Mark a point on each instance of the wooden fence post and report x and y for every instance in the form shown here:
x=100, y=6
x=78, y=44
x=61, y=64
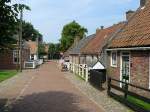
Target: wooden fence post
x=126, y=90
x=109, y=86
x=73, y=68
x=83, y=69
x=79, y=71
x=70, y=67
x=86, y=74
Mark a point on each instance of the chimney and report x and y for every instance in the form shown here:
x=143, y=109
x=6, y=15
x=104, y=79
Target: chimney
x=129, y=14
x=102, y=27
x=97, y=30
x=143, y=3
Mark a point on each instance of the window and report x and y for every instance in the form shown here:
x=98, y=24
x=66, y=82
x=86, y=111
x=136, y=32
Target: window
x=114, y=59
x=15, y=57
x=32, y=56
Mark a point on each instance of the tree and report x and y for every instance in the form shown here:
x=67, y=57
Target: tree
x=51, y=49
x=29, y=32
x=54, y=51
x=9, y=21
x=41, y=49
x=69, y=33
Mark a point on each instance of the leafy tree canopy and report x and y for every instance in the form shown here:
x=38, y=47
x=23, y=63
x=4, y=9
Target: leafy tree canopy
x=69, y=33
x=30, y=33
x=41, y=49
x=54, y=48
x=9, y=20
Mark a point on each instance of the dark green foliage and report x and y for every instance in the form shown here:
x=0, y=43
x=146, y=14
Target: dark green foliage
x=9, y=22
x=29, y=32
x=54, y=51
x=51, y=48
x=70, y=32
x=54, y=48
x=41, y=49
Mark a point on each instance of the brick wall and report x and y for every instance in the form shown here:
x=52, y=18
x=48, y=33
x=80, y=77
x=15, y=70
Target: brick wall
x=113, y=72
x=6, y=59
x=139, y=70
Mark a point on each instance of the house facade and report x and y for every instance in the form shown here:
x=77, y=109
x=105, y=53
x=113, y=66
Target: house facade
x=93, y=51
x=9, y=57
x=33, y=45
x=75, y=53
x=67, y=55
x=129, y=51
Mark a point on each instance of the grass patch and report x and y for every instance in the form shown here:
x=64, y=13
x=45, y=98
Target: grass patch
x=139, y=103
x=79, y=77
x=6, y=74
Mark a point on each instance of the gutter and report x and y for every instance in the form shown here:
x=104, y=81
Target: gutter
x=132, y=48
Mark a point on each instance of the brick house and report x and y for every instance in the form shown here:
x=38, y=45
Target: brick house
x=129, y=51
x=33, y=45
x=75, y=53
x=9, y=57
x=66, y=54
x=93, y=51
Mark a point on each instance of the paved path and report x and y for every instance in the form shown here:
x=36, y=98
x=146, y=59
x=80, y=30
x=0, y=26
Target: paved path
x=43, y=90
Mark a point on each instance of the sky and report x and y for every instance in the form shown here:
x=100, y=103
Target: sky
x=49, y=16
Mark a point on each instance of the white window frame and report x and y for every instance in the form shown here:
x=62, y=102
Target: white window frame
x=121, y=54
x=15, y=52
x=113, y=65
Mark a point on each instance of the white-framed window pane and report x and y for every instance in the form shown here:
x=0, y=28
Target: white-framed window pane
x=15, y=56
x=114, y=59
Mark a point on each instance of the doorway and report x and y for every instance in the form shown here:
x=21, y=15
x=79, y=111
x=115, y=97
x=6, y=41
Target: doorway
x=125, y=67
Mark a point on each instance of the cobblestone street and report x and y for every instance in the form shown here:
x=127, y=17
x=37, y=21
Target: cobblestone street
x=45, y=89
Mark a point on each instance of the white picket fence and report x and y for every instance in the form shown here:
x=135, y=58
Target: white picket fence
x=80, y=69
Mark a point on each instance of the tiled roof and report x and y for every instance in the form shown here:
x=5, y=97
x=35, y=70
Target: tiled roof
x=136, y=33
x=76, y=41
x=81, y=44
x=67, y=53
x=102, y=36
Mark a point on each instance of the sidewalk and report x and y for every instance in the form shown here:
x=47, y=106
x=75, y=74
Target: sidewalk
x=99, y=97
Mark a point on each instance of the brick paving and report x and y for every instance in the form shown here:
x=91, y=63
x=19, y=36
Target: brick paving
x=99, y=97
x=43, y=90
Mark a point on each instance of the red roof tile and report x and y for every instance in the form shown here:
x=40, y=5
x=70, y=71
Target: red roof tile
x=96, y=44
x=136, y=32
